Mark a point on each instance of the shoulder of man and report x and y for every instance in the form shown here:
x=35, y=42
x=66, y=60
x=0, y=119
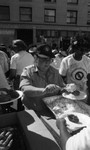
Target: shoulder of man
x=67, y=58
x=15, y=56
x=29, y=70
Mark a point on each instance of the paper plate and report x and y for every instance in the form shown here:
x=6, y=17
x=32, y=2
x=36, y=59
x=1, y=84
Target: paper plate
x=84, y=121
x=82, y=96
x=13, y=99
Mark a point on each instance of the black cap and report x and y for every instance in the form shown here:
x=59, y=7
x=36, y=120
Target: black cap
x=19, y=44
x=45, y=51
x=32, y=49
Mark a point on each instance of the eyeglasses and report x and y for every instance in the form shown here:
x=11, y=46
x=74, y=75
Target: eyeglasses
x=47, y=60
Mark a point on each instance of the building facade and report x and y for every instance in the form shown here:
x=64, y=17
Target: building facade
x=29, y=20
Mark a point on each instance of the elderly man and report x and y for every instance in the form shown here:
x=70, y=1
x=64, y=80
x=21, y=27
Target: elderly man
x=40, y=79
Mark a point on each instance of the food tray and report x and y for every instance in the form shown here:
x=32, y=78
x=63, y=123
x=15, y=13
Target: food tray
x=62, y=107
x=59, y=105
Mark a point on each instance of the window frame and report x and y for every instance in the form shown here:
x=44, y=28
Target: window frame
x=88, y=20
x=51, y=1
x=20, y=14
x=72, y=17
x=25, y=0
x=72, y=2
x=8, y=12
x=50, y=16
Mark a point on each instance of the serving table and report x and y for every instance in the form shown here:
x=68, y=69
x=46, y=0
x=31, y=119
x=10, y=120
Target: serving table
x=38, y=128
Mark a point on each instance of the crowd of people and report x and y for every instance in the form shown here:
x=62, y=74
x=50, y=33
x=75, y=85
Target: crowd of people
x=33, y=71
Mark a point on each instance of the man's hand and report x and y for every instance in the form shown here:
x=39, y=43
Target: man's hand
x=5, y=140
x=64, y=134
x=52, y=88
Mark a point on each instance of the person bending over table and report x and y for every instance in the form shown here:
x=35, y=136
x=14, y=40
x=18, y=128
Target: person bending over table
x=78, y=141
x=40, y=79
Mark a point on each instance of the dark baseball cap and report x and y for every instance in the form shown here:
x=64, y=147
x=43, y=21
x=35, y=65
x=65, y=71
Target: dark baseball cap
x=45, y=51
x=20, y=44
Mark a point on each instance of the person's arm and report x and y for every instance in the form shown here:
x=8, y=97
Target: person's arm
x=32, y=91
x=64, y=134
x=80, y=139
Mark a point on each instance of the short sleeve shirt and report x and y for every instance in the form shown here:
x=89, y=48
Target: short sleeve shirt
x=32, y=76
x=21, y=60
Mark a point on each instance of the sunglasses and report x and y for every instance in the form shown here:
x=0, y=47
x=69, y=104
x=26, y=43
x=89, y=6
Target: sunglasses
x=50, y=60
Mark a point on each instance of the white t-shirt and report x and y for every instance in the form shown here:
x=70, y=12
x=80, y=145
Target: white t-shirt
x=80, y=141
x=75, y=71
x=21, y=60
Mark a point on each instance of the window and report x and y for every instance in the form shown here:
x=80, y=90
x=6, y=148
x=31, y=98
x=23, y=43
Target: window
x=88, y=18
x=4, y=13
x=50, y=15
x=47, y=34
x=25, y=0
x=89, y=4
x=71, y=17
x=50, y=1
x=25, y=14
x=72, y=1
